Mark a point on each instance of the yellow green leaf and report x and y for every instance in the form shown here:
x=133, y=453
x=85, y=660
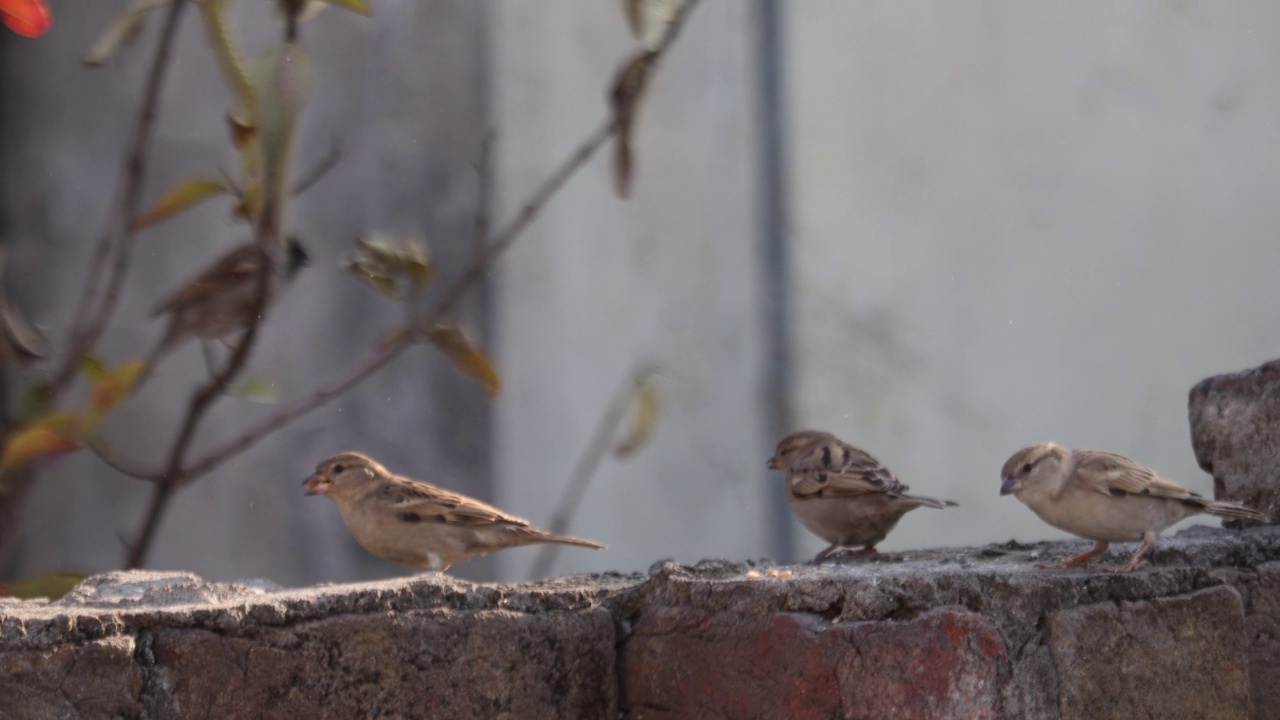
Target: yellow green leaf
x=646, y=408
x=92, y=368
x=50, y=435
x=465, y=356
x=120, y=31
x=283, y=83
x=259, y=391
x=115, y=386
x=50, y=586
x=179, y=198
x=650, y=20
x=356, y=6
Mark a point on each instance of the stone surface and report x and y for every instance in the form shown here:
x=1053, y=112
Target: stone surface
x=97, y=679
x=1260, y=590
x=964, y=633
x=691, y=663
x=1172, y=658
x=1235, y=430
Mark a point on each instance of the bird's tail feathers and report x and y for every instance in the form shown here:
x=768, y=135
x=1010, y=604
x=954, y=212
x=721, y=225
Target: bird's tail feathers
x=1235, y=511
x=932, y=502
x=568, y=540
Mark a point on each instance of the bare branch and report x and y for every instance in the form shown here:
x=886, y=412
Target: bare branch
x=480, y=263
x=322, y=168
x=92, y=311
x=615, y=412
x=484, y=177
x=176, y=475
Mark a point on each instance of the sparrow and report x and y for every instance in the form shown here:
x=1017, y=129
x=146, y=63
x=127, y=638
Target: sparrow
x=842, y=494
x=219, y=301
x=1104, y=497
x=414, y=523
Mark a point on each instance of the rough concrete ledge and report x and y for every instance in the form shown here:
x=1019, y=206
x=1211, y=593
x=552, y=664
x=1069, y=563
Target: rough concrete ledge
x=972, y=633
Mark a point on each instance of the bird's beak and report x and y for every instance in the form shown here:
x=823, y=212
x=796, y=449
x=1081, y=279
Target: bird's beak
x=774, y=463
x=1006, y=486
x=317, y=484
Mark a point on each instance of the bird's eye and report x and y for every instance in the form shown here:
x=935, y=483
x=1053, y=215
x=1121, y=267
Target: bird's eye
x=338, y=468
x=1026, y=468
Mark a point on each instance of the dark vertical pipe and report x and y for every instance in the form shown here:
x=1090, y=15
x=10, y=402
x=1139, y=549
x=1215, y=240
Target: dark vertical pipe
x=773, y=223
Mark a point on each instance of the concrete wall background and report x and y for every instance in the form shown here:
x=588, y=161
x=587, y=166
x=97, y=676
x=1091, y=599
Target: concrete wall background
x=1016, y=222
x=1009, y=222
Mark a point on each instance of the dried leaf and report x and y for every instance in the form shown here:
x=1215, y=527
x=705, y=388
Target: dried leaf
x=242, y=130
x=259, y=391
x=628, y=88
x=50, y=586
x=356, y=6
x=650, y=20
x=417, y=265
x=115, y=386
x=373, y=275
x=646, y=409
x=120, y=31
x=182, y=196
x=50, y=435
x=464, y=354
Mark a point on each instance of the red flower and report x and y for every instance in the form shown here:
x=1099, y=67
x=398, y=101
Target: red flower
x=26, y=17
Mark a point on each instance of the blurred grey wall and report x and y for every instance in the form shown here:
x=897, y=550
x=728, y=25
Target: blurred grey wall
x=1006, y=222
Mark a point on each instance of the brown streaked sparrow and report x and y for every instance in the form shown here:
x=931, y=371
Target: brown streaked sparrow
x=411, y=522
x=219, y=300
x=842, y=494
x=1104, y=497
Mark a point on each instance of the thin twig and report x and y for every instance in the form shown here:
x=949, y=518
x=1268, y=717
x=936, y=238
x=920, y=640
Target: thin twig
x=174, y=476
x=88, y=322
x=322, y=168
x=484, y=178
x=615, y=412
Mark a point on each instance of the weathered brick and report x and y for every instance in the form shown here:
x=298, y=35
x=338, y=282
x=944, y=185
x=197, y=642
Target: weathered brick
x=683, y=662
x=97, y=679
x=488, y=664
x=1170, y=658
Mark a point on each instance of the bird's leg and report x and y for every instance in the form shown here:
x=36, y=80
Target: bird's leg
x=826, y=553
x=1148, y=542
x=1075, y=561
x=838, y=550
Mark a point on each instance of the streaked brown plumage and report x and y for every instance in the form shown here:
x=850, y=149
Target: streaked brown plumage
x=841, y=493
x=411, y=522
x=1104, y=497
x=219, y=301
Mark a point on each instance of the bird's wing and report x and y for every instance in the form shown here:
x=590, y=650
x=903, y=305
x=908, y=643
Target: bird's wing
x=429, y=503
x=837, y=469
x=237, y=266
x=1116, y=475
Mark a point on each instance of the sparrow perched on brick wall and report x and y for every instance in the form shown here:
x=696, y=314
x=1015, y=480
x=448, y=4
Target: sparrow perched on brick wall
x=414, y=523
x=219, y=301
x=1104, y=497
x=842, y=494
